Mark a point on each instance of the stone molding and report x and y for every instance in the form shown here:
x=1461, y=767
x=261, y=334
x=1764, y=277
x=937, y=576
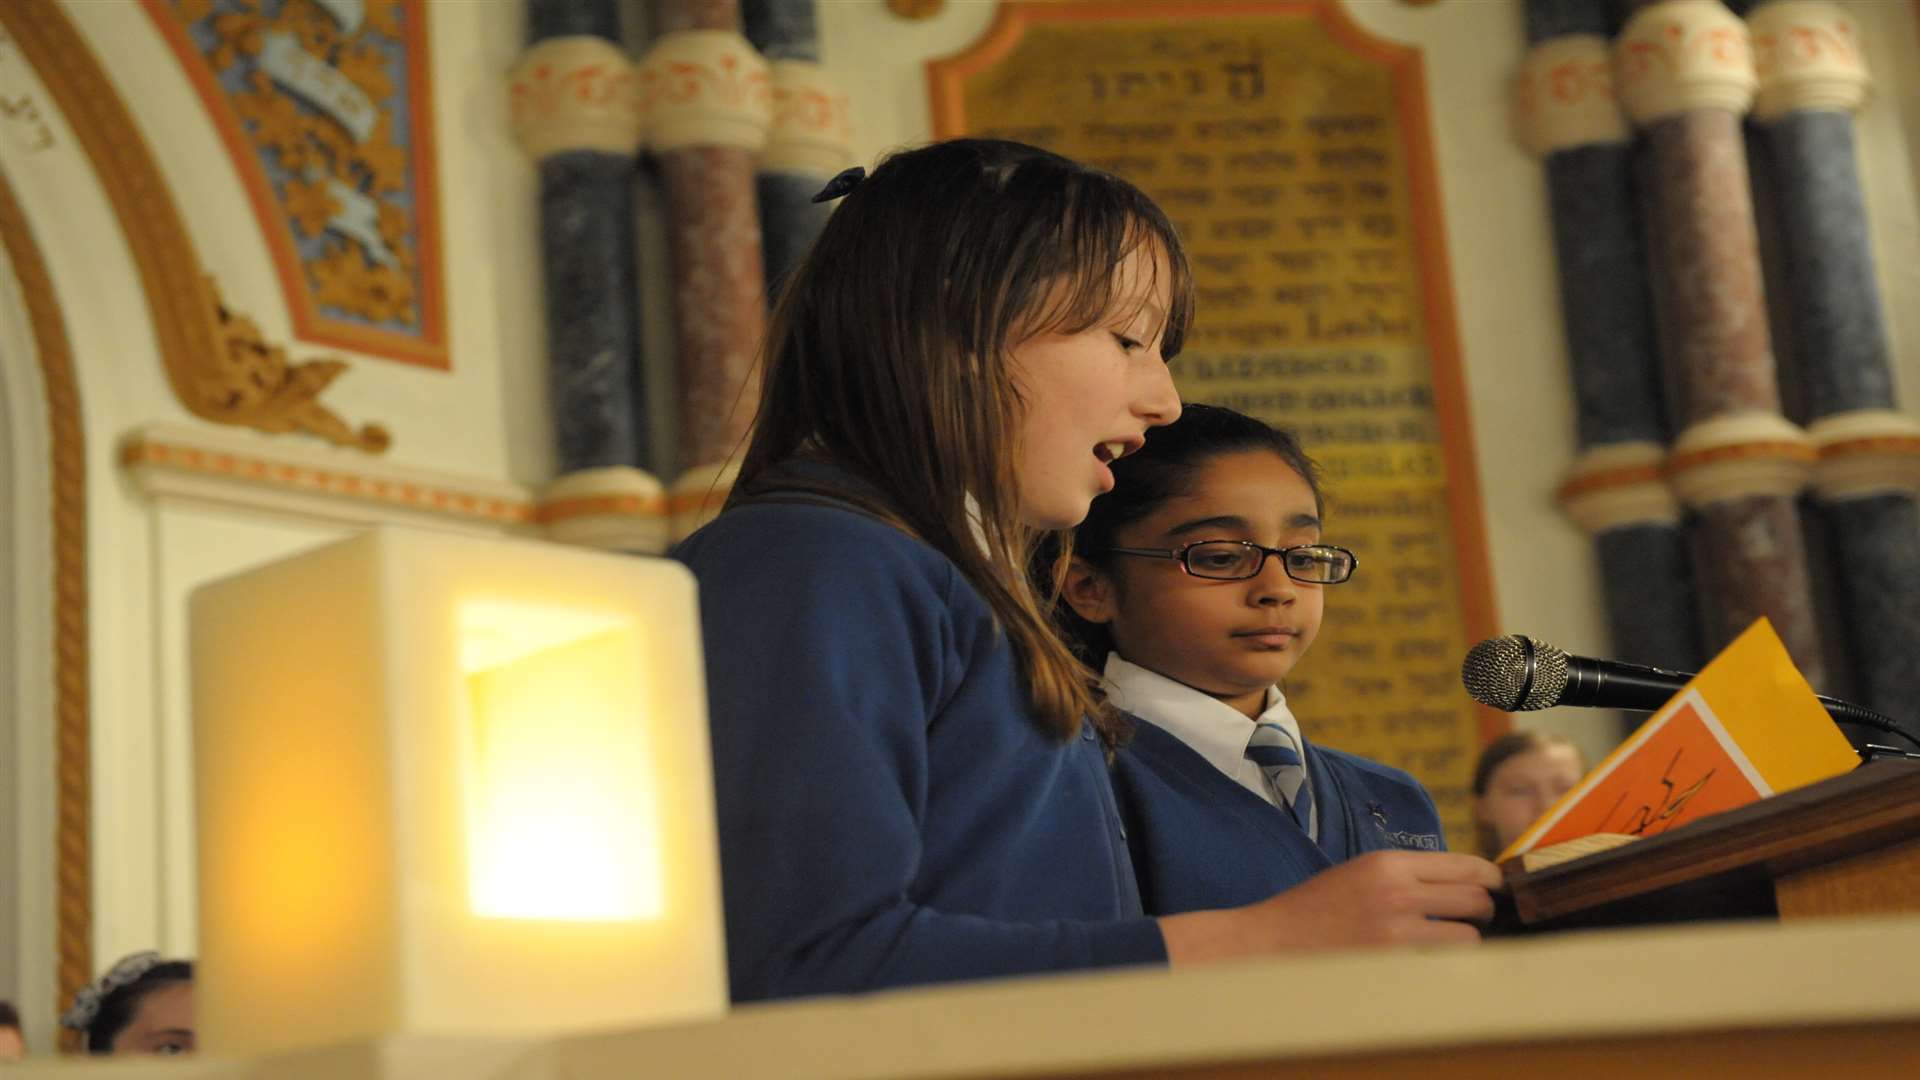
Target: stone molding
x=1740, y=456
x=812, y=121
x=1864, y=453
x=706, y=88
x=576, y=93
x=1808, y=55
x=1618, y=485
x=1565, y=96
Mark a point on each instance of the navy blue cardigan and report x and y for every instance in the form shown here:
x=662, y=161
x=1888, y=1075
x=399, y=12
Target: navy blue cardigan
x=1199, y=840
x=889, y=811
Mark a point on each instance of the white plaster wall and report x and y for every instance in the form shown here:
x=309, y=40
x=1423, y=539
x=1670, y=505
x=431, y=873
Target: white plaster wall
x=1887, y=130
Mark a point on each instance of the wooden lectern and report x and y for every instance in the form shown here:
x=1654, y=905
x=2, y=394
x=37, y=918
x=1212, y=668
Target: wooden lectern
x=1845, y=846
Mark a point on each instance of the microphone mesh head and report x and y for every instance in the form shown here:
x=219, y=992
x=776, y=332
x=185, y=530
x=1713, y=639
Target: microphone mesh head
x=1495, y=673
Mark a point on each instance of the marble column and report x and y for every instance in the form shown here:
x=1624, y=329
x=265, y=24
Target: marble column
x=1569, y=115
x=1812, y=76
x=709, y=106
x=576, y=108
x=812, y=135
x=1686, y=78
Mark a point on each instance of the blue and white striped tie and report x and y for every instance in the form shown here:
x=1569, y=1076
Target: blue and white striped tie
x=1278, y=755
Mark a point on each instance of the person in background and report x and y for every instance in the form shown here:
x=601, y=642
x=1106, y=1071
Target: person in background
x=1519, y=777
x=142, y=1005
x=13, y=1044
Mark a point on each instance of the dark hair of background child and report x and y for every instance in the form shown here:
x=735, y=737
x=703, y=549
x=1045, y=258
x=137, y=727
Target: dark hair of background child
x=117, y=1009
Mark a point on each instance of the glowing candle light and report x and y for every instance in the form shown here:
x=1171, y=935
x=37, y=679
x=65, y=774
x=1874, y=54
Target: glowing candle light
x=451, y=786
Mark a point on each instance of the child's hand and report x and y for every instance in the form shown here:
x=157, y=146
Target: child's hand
x=1385, y=898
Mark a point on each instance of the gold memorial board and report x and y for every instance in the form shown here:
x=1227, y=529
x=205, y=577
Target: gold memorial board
x=1291, y=150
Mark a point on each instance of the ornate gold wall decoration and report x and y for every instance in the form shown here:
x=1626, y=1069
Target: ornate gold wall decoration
x=73, y=842
x=194, y=345
x=256, y=386
x=326, y=109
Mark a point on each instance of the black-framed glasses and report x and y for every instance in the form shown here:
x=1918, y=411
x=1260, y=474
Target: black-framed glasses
x=1238, y=560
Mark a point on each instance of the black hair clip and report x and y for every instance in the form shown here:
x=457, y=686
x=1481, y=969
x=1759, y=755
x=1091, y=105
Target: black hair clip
x=841, y=184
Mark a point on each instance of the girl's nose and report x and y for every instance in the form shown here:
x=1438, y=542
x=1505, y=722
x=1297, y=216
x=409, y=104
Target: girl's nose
x=1158, y=401
x=1271, y=587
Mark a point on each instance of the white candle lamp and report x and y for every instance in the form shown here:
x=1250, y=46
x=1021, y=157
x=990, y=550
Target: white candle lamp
x=451, y=786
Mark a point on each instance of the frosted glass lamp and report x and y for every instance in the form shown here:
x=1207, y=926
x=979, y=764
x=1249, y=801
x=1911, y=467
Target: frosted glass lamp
x=451, y=786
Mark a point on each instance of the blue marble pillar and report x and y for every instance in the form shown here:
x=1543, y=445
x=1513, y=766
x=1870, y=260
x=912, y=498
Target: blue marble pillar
x=572, y=18
x=1834, y=335
x=593, y=334
x=1833, y=323
x=783, y=31
x=1607, y=310
x=587, y=228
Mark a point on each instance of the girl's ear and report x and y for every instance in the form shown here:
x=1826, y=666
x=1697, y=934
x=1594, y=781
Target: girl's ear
x=1090, y=591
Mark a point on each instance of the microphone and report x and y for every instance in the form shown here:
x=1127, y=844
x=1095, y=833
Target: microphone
x=1517, y=673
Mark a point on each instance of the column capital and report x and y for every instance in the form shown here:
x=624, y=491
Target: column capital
x=706, y=88
x=1618, y=485
x=812, y=121
x=576, y=93
x=1683, y=55
x=1740, y=456
x=1565, y=96
x=1808, y=55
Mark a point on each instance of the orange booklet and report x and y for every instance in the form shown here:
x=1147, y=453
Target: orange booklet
x=1746, y=727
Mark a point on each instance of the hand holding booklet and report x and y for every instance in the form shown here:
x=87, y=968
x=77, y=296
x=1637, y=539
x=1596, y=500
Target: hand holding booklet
x=1748, y=726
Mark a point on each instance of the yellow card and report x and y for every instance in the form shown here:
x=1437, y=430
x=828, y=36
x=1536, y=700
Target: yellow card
x=1748, y=726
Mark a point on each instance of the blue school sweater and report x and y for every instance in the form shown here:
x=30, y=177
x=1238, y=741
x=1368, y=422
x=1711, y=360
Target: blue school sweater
x=1199, y=840
x=889, y=811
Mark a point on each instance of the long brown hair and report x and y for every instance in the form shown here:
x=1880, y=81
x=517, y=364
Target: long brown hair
x=888, y=355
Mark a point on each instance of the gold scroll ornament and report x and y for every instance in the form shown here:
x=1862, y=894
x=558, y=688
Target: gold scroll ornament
x=252, y=383
x=1290, y=149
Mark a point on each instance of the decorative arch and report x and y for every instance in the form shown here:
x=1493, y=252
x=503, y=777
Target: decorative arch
x=73, y=848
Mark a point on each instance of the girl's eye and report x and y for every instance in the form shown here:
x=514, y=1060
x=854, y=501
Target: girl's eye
x=1126, y=343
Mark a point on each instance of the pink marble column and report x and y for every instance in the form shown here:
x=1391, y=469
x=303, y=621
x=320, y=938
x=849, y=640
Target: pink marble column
x=1686, y=77
x=710, y=106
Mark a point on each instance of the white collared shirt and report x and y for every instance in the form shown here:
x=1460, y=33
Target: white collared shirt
x=1210, y=727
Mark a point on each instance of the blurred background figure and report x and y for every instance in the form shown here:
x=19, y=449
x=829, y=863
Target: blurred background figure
x=1520, y=775
x=13, y=1045
x=142, y=1005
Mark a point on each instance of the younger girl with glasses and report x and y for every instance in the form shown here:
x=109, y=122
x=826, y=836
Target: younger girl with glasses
x=909, y=763
x=1197, y=584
